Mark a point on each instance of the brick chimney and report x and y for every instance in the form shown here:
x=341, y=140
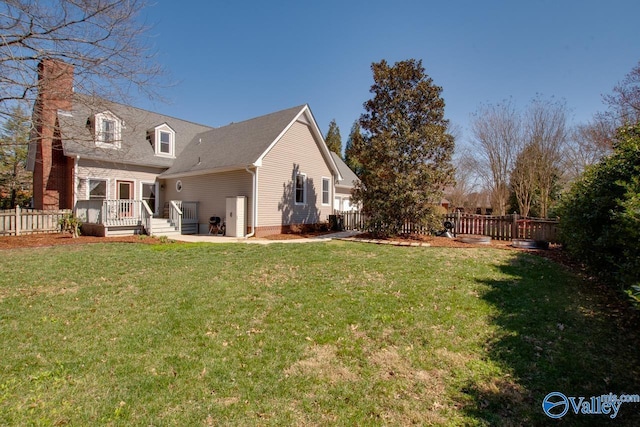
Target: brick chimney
x=53, y=172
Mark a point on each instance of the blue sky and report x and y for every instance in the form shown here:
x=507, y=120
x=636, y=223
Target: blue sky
x=237, y=60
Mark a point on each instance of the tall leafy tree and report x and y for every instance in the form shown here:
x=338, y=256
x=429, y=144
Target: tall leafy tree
x=15, y=181
x=405, y=150
x=333, y=138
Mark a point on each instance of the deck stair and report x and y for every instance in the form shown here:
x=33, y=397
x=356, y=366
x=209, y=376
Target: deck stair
x=162, y=227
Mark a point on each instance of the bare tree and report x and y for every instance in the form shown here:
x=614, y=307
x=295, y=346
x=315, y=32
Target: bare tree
x=523, y=178
x=497, y=138
x=546, y=133
x=624, y=103
x=102, y=40
x=466, y=181
x=587, y=144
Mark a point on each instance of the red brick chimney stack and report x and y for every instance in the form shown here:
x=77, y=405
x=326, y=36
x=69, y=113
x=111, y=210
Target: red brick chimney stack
x=55, y=83
x=52, y=175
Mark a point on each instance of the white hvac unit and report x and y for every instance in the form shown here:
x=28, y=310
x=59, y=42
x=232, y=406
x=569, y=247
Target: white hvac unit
x=236, y=217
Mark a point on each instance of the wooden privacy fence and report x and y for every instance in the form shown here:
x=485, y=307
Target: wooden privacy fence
x=505, y=227
x=14, y=222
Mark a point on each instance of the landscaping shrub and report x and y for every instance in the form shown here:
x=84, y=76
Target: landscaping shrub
x=600, y=215
x=70, y=224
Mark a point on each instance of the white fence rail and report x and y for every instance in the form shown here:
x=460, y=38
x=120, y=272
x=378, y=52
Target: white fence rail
x=18, y=221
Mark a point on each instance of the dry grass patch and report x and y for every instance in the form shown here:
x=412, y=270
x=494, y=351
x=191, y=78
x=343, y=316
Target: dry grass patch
x=274, y=274
x=321, y=361
x=417, y=388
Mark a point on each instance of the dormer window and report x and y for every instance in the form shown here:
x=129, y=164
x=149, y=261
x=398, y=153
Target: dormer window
x=162, y=139
x=165, y=143
x=107, y=129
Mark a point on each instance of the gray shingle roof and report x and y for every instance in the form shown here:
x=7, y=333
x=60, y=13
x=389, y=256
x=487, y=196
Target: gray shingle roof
x=233, y=146
x=78, y=138
x=198, y=148
x=349, y=178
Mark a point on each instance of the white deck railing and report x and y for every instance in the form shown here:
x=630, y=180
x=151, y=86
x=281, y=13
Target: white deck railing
x=116, y=213
x=111, y=213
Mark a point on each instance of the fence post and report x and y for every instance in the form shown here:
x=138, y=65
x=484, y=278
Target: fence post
x=18, y=220
x=514, y=226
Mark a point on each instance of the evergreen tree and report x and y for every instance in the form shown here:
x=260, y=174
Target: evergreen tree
x=405, y=150
x=333, y=138
x=349, y=155
x=15, y=181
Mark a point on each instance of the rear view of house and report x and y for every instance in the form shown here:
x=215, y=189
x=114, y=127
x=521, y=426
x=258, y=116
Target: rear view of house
x=128, y=170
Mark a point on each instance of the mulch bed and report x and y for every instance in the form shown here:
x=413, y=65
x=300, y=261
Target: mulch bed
x=56, y=239
x=554, y=253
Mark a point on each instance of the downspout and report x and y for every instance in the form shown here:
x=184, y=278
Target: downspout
x=76, y=182
x=254, y=201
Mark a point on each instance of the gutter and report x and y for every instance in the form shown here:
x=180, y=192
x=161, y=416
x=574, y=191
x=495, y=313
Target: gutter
x=254, y=201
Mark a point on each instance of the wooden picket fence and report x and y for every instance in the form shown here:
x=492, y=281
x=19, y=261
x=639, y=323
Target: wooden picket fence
x=19, y=221
x=507, y=227
x=353, y=220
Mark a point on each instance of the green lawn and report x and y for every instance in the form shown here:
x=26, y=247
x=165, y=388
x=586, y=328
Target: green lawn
x=333, y=333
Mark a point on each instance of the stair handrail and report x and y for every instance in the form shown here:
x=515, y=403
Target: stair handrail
x=146, y=215
x=175, y=215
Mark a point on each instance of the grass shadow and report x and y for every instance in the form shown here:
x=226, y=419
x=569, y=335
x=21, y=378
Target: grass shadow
x=557, y=333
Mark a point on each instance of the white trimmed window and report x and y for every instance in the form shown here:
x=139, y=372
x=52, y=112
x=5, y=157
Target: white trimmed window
x=108, y=130
x=326, y=191
x=97, y=189
x=301, y=193
x=162, y=139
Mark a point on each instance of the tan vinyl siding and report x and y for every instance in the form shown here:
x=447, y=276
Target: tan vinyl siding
x=211, y=192
x=296, y=152
x=89, y=169
x=343, y=191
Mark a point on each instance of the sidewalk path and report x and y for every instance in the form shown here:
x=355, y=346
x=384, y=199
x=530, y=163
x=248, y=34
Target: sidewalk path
x=206, y=238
